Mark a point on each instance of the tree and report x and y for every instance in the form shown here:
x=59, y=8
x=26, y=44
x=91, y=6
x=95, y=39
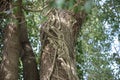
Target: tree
x=58, y=37
x=60, y=22
x=9, y=65
x=30, y=71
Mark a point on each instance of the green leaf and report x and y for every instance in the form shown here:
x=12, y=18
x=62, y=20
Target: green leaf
x=59, y=3
x=88, y=6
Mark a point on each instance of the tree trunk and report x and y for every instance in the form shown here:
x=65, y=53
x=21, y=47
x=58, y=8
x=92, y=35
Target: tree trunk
x=58, y=38
x=30, y=71
x=9, y=65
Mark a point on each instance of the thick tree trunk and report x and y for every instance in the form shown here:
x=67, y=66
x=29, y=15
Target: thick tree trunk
x=58, y=38
x=30, y=71
x=9, y=65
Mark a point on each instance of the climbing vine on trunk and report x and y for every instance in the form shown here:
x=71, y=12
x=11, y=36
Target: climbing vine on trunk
x=58, y=37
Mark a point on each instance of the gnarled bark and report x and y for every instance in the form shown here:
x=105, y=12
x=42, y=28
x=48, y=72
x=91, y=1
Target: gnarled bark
x=58, y=38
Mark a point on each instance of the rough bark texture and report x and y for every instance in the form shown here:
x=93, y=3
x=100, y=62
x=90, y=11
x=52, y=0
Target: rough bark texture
x=58, y=37
x=30, y=71
x=9, y=65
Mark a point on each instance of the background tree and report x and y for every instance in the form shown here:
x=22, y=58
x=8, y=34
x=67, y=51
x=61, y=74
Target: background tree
x=30, y=71
x=29, y=63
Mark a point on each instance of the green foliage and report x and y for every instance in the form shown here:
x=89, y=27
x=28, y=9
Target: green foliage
x=98, y=43
x=97, y=39
x=59, y=3
x=80, y=59
x=3, y=23
x=110, y=13
x=33, y=25
x=20, y=70
x=88, y=5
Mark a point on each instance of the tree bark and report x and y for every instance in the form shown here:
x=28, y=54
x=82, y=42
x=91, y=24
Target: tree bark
x=5, y=5
x=9, y=65
x=58, y=38
x=30, y=71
